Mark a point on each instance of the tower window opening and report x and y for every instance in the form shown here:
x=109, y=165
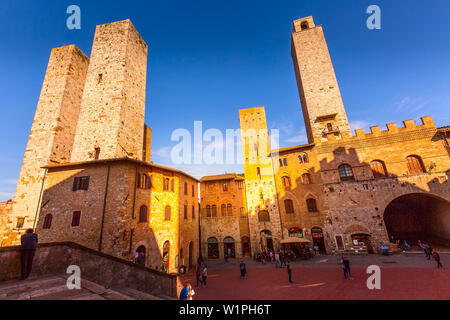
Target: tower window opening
x=304, y=25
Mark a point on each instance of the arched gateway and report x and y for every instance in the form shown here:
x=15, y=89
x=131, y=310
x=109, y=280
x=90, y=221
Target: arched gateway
x=419, y=216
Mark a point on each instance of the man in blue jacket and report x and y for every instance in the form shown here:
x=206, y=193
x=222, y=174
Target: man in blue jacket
x=29, y=244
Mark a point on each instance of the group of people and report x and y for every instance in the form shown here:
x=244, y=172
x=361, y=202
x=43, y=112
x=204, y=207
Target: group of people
x=430, y=252
x=281, y=257
x=201, y=272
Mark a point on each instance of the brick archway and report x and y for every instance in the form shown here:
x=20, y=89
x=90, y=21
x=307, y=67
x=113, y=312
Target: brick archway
x=418, y=216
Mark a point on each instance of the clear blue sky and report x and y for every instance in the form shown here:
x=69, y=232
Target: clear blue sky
x=209, y=58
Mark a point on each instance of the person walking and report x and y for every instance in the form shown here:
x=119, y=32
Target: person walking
x=243, y=270
x=437, y=257
x=277, y=260
x=28, y=248
x=346, y=267
x=288, y=266
x=204, y=275
x=198, y=273
x=426, y=248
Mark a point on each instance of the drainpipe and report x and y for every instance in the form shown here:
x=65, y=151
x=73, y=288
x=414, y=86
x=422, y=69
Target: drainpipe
x=103, y=211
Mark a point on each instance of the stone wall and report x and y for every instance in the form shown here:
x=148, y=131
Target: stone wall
x=318, y=88
x=106, y=270
x=53, y=129
x=260, y=187
x=220, y=227
x=110, y=210
x=299, y=191
x=113, y=103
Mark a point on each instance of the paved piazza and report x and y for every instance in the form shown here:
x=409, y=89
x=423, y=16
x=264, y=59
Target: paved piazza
x=408, y=277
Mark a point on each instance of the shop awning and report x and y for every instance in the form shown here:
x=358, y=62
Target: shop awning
x=295, y=240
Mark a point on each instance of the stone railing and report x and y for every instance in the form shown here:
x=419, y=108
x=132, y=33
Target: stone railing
x=103, y=269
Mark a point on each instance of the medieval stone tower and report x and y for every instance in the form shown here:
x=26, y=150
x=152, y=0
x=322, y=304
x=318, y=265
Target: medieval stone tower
x=53, y=130
x=111, y=122
x=88, y=109
x=323, y=109
x=262, y=205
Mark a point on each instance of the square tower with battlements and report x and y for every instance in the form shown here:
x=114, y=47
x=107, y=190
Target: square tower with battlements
x=52, y=132
x=262, y=204
x=111, y=123
x=322, y=106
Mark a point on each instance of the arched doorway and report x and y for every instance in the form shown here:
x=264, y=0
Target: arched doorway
x=166, y=256
x=228, y=247
x=418, y=216
x=266, y=240
x=213, y=248
x=191, y=253
x=318, y=239
x=140, y=255
x=246, y=248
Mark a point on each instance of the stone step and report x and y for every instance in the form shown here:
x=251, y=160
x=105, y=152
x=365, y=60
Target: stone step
x=13, y=289
x=55, y=288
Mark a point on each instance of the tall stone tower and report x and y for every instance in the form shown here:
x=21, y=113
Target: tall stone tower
x=111, y=123
x=53, y=129
x=262, y=204
x=323, y=109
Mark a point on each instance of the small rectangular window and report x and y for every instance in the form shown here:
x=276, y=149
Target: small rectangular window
x=81, y=183
x=76, y=218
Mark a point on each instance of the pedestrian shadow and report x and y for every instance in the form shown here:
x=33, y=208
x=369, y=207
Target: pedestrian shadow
x=305, y=285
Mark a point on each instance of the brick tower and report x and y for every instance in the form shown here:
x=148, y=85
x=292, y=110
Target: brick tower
x=53, y=129
x=262, y=205
x=111, y=123
x=322, y=106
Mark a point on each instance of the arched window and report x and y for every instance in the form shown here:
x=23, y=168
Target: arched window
x=172, y=185
x=263, y=216
x=286, y=181
x=143, y=214
x=306, y=178
x=346, y=172
x=144, y=181
x=208, y=211
x=311, y=204
x=303, y=158
x=229, y=210
x=223, y=210
x=289, y=206
x=185, y=211
x=47, y=221
x=193, y=212
x=304, y=25
x=166, y=184
x=242, y=212
x=378, y=168
x=193, y=191
x=415, y=165
x=167, y=213
x=214, y=211
x=329, y=127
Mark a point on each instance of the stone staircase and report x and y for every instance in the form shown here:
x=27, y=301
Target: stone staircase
x=53, y=287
